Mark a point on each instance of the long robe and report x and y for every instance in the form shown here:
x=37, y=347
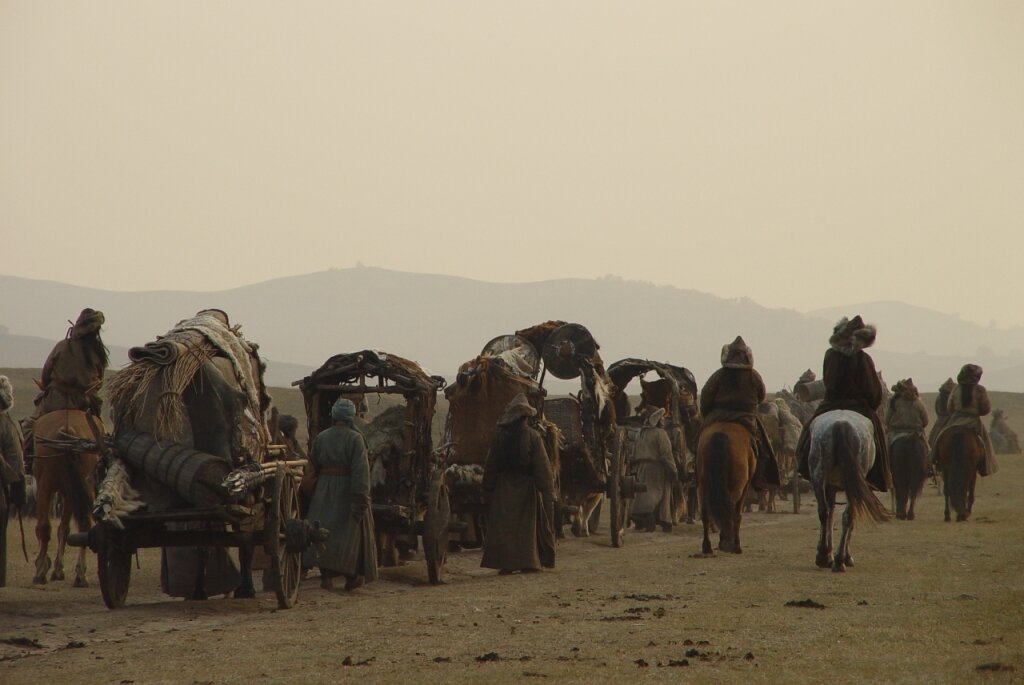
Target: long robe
x=341, y=503
x=520, y=493
x=907, y=418
x=70, y=379
x=652, y=464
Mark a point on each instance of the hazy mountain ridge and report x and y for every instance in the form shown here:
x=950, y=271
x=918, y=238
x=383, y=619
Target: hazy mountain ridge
x=442, y=321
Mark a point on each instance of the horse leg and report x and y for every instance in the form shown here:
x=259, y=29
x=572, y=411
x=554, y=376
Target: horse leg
x=63, y=527
x=705, y=517
x=44, y=502
x=245, y=589
x=821, y=559
x=737, y=518
x=839, y=564
x=945, y=493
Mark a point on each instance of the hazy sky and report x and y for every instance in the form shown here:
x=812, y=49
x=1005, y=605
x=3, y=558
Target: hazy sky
x=803, y=154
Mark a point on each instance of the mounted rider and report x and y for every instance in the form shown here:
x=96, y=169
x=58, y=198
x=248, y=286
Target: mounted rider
x=907, y=416
x=732, y=395
x=852, y=383
x=941, y=411
x=967, y=404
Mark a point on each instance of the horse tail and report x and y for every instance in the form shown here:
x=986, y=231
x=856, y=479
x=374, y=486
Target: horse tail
x=858, y=493
x=959, y=471
x=717, y=488
x=81, y=502
x=918, y=470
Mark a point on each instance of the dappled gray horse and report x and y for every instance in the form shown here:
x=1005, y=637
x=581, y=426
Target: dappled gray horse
x=842, y=451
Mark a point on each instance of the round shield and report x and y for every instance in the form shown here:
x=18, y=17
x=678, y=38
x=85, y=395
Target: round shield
x=517, y=353
x=562, y=347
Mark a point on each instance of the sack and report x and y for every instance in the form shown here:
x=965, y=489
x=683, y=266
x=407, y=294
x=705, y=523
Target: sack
x=308, y=483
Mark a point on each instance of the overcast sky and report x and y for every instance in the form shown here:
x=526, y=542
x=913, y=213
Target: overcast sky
x=804, y=154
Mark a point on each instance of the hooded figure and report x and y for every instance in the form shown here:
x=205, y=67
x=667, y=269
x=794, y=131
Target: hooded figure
x=519, y=490
x=1004, y=439
x=652, y=463
x=967, y=404
x=12, y=469
x=73, y=373
x=732, y=394
x=907, y=416
x=341, y=502
x=852, y=383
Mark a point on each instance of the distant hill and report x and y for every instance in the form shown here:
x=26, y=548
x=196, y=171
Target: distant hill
x=441, y=321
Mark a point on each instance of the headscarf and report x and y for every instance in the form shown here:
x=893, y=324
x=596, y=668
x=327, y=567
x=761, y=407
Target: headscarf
x=6, y=393
x=516, y=409
x=970, y=374
x=89, y=321
x=343, y=410
x=852, y=335
x=808, y=376
x=737, y=355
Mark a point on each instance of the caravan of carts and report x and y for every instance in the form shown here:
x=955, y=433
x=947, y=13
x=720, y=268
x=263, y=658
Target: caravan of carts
x=235, y=491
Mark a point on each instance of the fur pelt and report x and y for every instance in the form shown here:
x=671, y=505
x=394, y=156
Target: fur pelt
x=116, y=497
x=852, y=335
x=6, y=394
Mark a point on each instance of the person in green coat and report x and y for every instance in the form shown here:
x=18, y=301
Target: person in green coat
x=341, y=502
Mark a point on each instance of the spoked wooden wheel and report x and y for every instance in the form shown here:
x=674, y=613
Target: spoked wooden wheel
x=286, y=565
x=114, y=565
x=435, y=527
x=618, y=509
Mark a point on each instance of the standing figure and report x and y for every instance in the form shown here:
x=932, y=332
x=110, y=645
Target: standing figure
x=851, y=383
x=941, y=412
x=519, y=488
x=731, y=395
x=654, y=466
x=967, y=404
x=12, y=470
x=288, y=425
x=341, y=502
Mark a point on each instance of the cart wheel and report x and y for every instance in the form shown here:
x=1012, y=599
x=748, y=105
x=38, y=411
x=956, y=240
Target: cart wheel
x=286, y=566
x=617, y=506
x=114, y=564
x=435, y=527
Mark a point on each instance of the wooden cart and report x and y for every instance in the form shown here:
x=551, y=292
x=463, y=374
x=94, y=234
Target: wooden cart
x=409, y=496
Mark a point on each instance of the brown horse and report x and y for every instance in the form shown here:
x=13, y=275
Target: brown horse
x=725, y=467
x=67, y=472
x=909, y=457
x=959, y=452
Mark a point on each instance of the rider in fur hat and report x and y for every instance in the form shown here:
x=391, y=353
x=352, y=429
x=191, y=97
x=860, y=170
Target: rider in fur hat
x=907, y=416
x=732, y=394
x=852, y=383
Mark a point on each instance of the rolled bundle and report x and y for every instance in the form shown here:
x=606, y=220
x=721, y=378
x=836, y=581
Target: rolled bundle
x=160, y=352
x=196, y=476
x=810, y=392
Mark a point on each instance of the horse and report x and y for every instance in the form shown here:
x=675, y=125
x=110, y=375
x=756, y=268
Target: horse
x=841, y=453
x=725, y=467
x=909, y=456
x=66, y=471
x=959, y=453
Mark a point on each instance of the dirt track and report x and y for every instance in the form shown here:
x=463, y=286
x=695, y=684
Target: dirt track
x=927, y=602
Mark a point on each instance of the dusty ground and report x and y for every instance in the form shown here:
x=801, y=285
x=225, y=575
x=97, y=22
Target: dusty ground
x=927, y=602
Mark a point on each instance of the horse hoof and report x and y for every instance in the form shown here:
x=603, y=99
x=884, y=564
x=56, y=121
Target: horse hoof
x=81, y=582
x=822, y=562
x=57, y=575
x=910, y=516
x=900, y=517
x=838, y=568
x=39, y=580
x=946, y=518
x=960, y=518
x=737, y=550
x=849, y=561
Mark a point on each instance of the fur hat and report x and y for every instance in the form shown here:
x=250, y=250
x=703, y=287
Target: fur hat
x=6, y=393
x=343, y=410
x=516, y=409
x=970, y=374
x=737, y=355
x=948, y=385
x=852, y=335
x=808, y=376
x=905, y=388
x=89, y=321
